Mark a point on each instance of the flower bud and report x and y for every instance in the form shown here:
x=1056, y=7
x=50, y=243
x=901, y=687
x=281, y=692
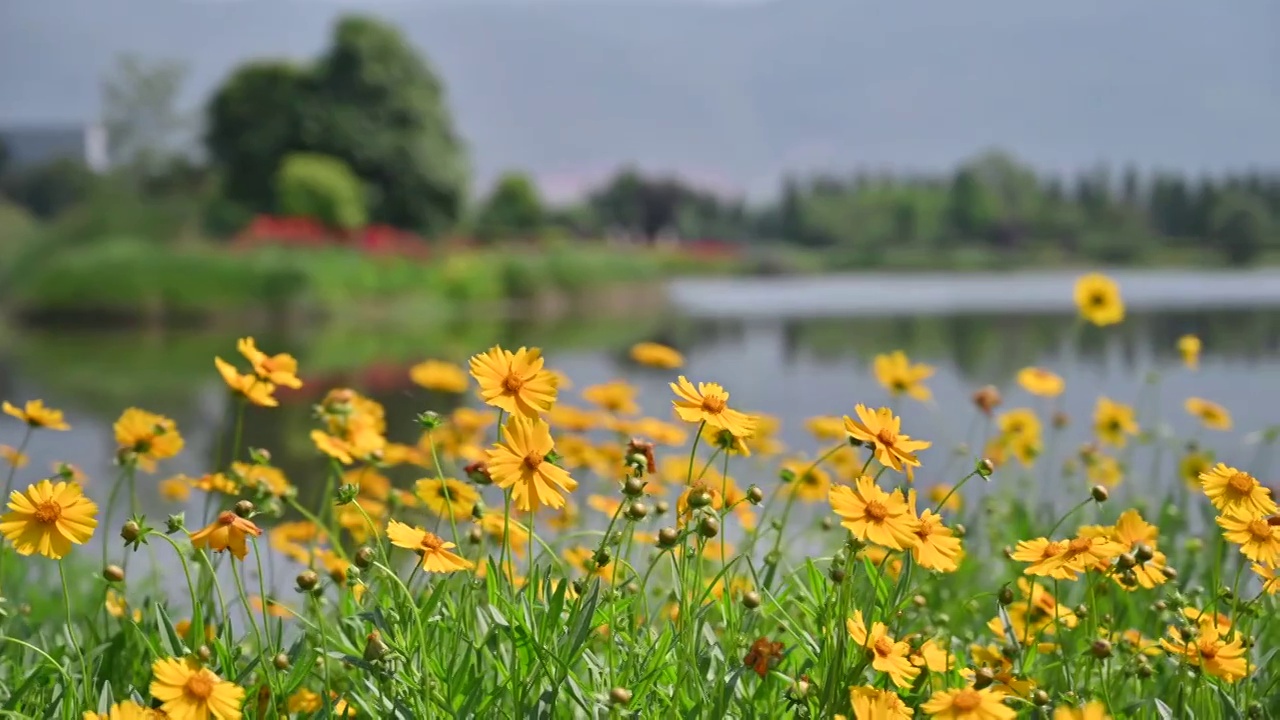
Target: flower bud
x=837, y=574
x=699, y=498
x=1005, y=596
x=1143, y=553
x=1171, y=572
x=475, y=536
x=307, y=580
x=983, y=677
x=281, y=661
x=1101, y=649
x=602, y=557
x=619, y=696
x=987, y=399
x=364, y=557
x=1061, y=419
x=113, y=573
x=1040, y=698
x=633, y=487
x=131, y=531
x=374, y=648
x=827, y=523
x=751, y=599
x=1099, y=494
x=637, y=510
x=260, y=456
x=204, y=653
x=430, y=420
x=985, y=467
x=244, y=508
x=668, y=537
x=708, y=526
x=787, y=475
x=1126, y=561
x=661, y=507
x=175, y=523
x=755, y=495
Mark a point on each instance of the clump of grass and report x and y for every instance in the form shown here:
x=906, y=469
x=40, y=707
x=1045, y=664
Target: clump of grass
x=532, y=555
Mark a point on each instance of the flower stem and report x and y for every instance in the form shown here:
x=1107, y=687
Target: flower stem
x=71, y=633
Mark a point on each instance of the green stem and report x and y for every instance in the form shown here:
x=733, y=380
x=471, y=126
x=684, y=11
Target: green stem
x=13, y=467
x=71, y=633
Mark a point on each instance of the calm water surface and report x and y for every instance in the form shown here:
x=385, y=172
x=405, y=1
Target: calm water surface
x=793, y=348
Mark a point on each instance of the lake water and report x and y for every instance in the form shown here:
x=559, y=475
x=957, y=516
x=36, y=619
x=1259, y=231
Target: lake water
x=791, y=347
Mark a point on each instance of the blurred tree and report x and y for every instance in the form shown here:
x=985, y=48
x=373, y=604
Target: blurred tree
x=322, y=188
x=48, y=189
x=140, y=112
x=4, y=157
x=1240, y=227
x=971, y=207
x=513, y=209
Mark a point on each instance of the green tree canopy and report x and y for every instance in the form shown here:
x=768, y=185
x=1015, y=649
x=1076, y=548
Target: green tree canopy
x=1240, y=225
x=322, y=188
x=513, y=209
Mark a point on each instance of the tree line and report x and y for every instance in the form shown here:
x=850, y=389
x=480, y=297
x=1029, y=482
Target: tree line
x=363, y=134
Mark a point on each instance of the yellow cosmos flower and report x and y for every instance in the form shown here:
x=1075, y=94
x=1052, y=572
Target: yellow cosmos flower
x=250, y=387
x=1091, y=711
x=1098, y=299
x=36, y=415
x=146, y=438
x=446, y=498
x=882, y=431
x=1235, y=490
x=874, y=515
x=1019, y=422
x=1189, y=348
x=127, y=710
x=1131, y=531
x=709, y=403
x=228, y=531
x=520, y=463
x=1039, y=381
x=900, y=376
x=889, y=656
x=811, y=483
x=514, y=382
x=1258, y=539
x=618, y=397
x=190, y=692
x=281, y=369
x=968, y=704
x=1207, y=650
x=1114, y=422
x=440, y=376
x=869, y=702
x=433, y=549
x=12, y=456
x=49, y=518
x=936, y=547
x=656, y=355
x=1192, y=465
x=1210, y=414
x=1270, y=582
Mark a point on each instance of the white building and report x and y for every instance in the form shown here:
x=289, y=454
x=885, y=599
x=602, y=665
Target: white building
x=27, y=145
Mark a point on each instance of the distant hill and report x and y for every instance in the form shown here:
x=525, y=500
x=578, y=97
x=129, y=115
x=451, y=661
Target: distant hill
x=735, y=94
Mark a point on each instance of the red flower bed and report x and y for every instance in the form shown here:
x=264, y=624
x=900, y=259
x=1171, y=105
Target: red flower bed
x=711, y=249
x=306, y=232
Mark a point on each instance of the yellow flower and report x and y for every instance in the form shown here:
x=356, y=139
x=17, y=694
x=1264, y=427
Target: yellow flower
x=811, y=483
x=514, y=382
x=11, y=455
x=1192, y=465
x=1098, y=299
x=968, y=704
x=1091, y=711
x=1034, y=612
x=874, y=515
x=1270, y=583
x=1210, y=414
x=227, y=531
x=660, y=432
x=1044, y=556
x=1105, y=470
x=872, y=704
x=49, y=519
x=881, y=430
x=1131, y=531
x=127, y=710
x=190, y=692
x=618, y=397
x=433, y=549
x=889, y=656
x=826, y=428
x=656, y=355
x=146, y=438
x=709, y=403
x=274, y=607
x=117, y=606
x=1207, y=650
x=263, y=477
x=1065, y=559
x=440, y=376
x=36, y=415
x=447, y=497
x=935, y=548
x=1113, y=421
x=1039, y=381
x=900, y=377
x=1189, y=348
x=514, y=535
x=250, y=387
x=938, y=493
x=1019, y=422
x=281, y=369
x=933, y=656
x=1258, y=539
x=520, y=463
x=1231, y=489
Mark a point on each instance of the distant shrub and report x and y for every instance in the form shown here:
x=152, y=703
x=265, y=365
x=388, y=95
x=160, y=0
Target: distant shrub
x=323, y=188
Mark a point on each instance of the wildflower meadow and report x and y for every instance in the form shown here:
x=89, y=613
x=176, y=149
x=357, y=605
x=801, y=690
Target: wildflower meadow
x=551, y=551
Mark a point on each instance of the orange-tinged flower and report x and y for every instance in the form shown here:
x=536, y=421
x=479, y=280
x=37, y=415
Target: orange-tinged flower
x=1189, y=348
x=882, y=431
x=49, y=518
x=274, y=607
x=874, y=515
x=15, y=458
x=968, y=704
x=1090, y=711
x=250, y=387
x=515, y=382
x=1044, y=555
x=1033, y=612
x=127, y=710
x=513, y=534
x=1258, y=539
x=434, y=549
x=656, y=355
x=227, y=531
x=1038, y=381
x=334, y=447
x=146, y=438
x=811, y=484
x=1270, y=582
x=763, y=656
x=1231, y=489
x=190, y=692
x=447, y=497
x=1207, y=650
x=35, y=414
x=936, y=547
x=281, y=369
x=1114, y=422
x=1098, y=299
x=873, y=704
x=618, y=397
x=889, y=656
x=1210, y=414
x=709, y=403
x=900, y=376
x=440, y=376
x=520, y=463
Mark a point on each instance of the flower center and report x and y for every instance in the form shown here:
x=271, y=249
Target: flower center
x=1053, y=549
x=1208, y=650
x=1113, y=424
x=512, y=383
x=1079, y=545
x=431, y=542
x=713, y=404
x=48, y=512
x=199, y=686
x=227, y=518
x=1241, y=483
x=533, y=460
x=883, y=647
x=966, y=700
x=899, y=385
x=1098, y=299
x=1260, y=529
x=886, y=437
x=877, y=511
